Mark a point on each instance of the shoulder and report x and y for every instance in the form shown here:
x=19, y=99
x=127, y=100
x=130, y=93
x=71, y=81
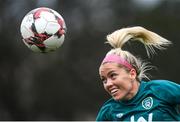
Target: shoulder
x=165, y=89
x=104, y=113
x=108, y=104
x=161, y=84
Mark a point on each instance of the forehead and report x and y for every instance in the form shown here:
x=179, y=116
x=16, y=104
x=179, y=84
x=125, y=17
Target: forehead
x=108, y=67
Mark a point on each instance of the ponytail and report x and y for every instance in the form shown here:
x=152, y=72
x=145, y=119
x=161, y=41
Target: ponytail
x=150, y=39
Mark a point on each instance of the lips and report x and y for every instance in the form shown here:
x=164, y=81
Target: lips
x=113, y=91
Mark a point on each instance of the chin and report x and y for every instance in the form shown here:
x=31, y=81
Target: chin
x=117, y=98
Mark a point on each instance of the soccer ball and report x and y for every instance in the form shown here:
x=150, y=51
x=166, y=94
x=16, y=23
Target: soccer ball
x=43, y=30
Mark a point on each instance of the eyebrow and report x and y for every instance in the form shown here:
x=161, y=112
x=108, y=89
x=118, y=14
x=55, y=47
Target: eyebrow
x=102, y=77
x=110, y=72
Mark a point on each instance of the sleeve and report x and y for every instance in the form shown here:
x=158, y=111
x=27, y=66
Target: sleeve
x=103, y=114
x=168, y=91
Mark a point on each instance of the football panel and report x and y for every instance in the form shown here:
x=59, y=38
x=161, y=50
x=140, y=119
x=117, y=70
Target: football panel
x=54, y=42
x=57, y=14
x=52, y=27
x=25, y=27
x=61, y=18
x=27, y=20
x=40, y=25
x=26, y=43
x=26, y=32
x=48, y=16
x=35, y=48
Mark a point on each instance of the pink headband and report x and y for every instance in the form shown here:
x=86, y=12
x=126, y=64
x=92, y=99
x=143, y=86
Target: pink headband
x=117, y=59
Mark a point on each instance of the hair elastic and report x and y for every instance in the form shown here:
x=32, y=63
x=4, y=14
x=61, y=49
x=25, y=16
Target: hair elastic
x=116, y=59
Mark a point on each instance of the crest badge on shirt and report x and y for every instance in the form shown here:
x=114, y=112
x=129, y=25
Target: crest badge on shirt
x=119, y=115
x=147, y=103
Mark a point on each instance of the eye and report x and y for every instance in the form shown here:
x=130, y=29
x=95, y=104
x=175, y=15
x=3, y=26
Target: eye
x=113, y=76
x=103, y=79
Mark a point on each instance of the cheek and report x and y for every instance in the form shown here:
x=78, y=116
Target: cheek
x=105, y=87
x=124, y=82
x=126, y=78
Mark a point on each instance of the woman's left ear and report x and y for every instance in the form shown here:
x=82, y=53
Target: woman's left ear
x=133, y=73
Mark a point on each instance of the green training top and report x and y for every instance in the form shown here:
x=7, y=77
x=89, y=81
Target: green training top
x=156, y=100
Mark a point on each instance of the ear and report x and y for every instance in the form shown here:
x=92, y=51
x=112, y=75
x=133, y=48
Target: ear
x=133, y=73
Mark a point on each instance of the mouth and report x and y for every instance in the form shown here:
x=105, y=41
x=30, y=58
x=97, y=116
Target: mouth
x=113, y=91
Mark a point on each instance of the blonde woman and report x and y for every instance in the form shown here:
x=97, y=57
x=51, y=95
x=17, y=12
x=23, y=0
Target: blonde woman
x=122, y=73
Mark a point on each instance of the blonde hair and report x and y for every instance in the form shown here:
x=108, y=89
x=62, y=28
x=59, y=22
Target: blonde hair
x=150, y=39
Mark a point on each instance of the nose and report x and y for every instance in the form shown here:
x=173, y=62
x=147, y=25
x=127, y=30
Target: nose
x=108, y=83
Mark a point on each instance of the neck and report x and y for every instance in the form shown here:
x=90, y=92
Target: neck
x=134, y=90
